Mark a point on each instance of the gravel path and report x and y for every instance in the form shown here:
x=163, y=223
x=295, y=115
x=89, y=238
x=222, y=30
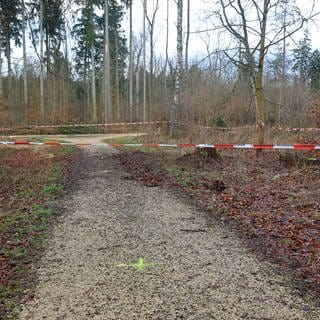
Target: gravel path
x=186, y=266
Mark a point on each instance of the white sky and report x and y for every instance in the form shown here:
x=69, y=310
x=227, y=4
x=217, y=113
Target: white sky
x=198, y=16
x=198, y=12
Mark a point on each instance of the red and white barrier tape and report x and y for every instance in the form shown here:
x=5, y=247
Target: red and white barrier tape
x=85, y=125
x=151, y=122
x=254, y=127
x=163, y=145
x=301, y=129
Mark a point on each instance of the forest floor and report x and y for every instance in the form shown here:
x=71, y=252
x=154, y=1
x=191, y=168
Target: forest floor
x=128, y=243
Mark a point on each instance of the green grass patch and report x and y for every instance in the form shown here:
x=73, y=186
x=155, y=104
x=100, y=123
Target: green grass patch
x=80, y=130
x=123, y=139
x=52, y=189
x=28, y=179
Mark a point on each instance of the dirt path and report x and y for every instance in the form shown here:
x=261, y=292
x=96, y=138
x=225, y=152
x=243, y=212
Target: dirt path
x=189, y=267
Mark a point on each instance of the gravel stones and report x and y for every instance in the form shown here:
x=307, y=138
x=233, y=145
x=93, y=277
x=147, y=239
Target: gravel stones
x=198, y=270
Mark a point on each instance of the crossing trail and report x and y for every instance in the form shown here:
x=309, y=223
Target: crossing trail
x=122, y=250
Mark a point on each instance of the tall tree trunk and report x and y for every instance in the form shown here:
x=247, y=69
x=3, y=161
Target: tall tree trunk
x=65, y=86
x=151, y=74
x=106, y=73
x=25, y=80
x=151, y=22
x=93, y=75
x=186, y=66
x=166, y=98
x=1, y=83
x=130, y=65
x=8, y=56
x=283, y=61
x=144, y=63
x=259, y=77
x=117, y=86
x=41, y=65
x=137, y=92
x=93, y=85
x=186, y=60
x=177, y=88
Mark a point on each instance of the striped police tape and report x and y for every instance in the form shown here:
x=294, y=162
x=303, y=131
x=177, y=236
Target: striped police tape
x=84, y=125
x=168, y=145
x=150, y=122
x=255, y=127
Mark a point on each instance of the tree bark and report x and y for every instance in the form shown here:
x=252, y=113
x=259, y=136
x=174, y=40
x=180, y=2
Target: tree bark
x=259, y=77
x=42, y=118
x=93, y=75
x=144, y=63
x=130, y=66
x=93, y=85
x=1, y=83
x=176, y=98
x=187, y=37
x=117, y=80
x=106, y=74
x=8, y=56
x=25, y=72
x=166, y=98
x=151, y=22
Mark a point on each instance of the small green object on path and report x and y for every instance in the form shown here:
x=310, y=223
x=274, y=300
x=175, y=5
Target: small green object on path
x=140, y=265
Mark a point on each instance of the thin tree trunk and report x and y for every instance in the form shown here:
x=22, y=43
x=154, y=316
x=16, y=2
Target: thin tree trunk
x=25, y=80
x=65, y=87
x=8, y=56
x=93, y=85
x=137, y=92
x=187, y=37
x=93, y=76
x=259, y=77
x=176, y=98
x=41, y=65
x=283, y=62
x=1, y=83
x=186, y=66
x=130, y=67
x=144, y=63
x=87, y=84
x=117, y=81
x=166, y=98
x=151, y=22
x=106, y=74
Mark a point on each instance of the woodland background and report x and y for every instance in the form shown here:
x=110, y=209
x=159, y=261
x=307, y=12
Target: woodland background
x=108, y=76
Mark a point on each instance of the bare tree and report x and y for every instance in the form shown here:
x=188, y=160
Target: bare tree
x=256, y=36
x=177, y=88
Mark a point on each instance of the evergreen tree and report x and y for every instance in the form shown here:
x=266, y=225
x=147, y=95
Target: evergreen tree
x=314, y=70
x=53, y=26
x=89, y=33
x=10, y=28
x=302, y=56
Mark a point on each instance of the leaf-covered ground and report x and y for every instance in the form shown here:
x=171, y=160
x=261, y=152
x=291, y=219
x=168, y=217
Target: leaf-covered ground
x=275, y=205
x=30, y=179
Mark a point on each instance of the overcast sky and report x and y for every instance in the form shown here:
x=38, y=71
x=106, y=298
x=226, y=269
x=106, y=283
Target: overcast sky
x=198, y=13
